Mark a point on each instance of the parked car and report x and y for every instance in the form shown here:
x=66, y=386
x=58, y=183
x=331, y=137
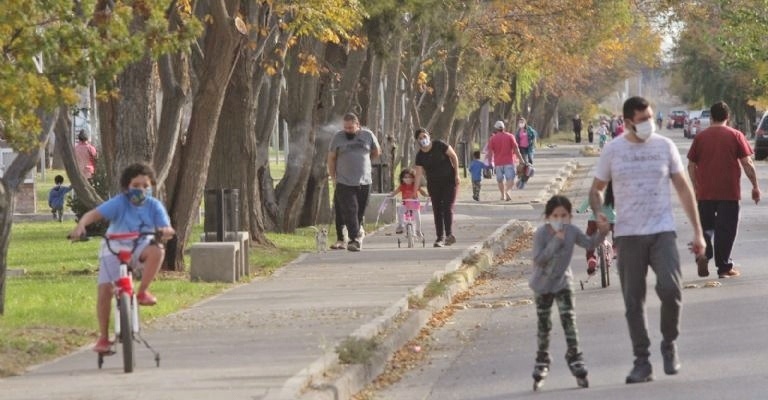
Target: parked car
x=678, y=118
x=692, y=125
x=704, y=119
x=761, y=138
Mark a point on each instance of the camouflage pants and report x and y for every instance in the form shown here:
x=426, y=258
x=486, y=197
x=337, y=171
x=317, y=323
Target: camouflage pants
x=476, y=185
x=544, y=303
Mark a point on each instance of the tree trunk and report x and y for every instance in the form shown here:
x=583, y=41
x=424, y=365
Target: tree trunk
x=9, y=183
x=389, y=137
x=222, y=47
x=175, y=80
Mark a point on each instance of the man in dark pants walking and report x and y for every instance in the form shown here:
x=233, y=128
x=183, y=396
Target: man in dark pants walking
x=715, y=160
x=349, y=167
x=577, y=128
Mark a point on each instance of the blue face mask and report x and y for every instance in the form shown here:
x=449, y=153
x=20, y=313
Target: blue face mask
x=138, y=196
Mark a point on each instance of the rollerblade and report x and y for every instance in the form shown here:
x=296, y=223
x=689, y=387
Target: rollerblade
x=578, y=368
x=540, y=371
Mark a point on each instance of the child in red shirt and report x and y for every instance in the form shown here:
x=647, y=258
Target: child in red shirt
x=409, y=192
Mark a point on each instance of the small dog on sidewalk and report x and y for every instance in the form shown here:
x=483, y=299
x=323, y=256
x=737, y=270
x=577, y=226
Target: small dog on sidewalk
x=321, y=239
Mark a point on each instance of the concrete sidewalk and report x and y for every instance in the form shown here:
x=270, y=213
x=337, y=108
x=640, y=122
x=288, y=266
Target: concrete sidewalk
x=274, y=337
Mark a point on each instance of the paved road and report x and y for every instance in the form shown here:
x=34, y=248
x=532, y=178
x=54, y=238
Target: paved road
x=488, y=353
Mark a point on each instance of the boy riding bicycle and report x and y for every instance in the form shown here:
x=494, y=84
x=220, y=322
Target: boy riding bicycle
x=134, y=210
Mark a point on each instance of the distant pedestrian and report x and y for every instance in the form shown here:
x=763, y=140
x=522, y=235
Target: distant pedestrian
x=614, y=125
x=503, y=153
x=56, y=197
x=577, y=128
x=619, y=129
x=643, y=167
x=476, y=168
x=349, y=166
x=590, y=132
x=85, y=155
x=715, y=160
x=438, y=162
x=602, y=134
x=551, y=281
x=526, y=140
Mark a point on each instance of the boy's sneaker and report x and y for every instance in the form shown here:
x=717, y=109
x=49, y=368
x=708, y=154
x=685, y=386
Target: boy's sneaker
x=353, y=246
x=146, y=299
x=641, y=372
x=450, y=240
x=669, y=354
x=591, y=265
x=103, y=345
x=399, y=230
x=439, y=243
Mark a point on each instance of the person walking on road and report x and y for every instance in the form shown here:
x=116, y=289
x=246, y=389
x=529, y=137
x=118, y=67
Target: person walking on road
x=551, y=281
x=715, y=160
x=526, y=140
x=641, y=165
x=349, y=166
x=438, y=162
x=503, y=152
x=577, y=128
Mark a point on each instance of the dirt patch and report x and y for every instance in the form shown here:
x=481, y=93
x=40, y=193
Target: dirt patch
x=21, y=348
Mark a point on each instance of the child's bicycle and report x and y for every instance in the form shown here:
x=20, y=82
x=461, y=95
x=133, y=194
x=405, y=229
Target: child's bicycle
x=411, y=206
x=127, y=307
x=604, y=253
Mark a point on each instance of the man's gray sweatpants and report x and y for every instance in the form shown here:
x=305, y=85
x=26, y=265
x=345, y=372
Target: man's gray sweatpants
x=636, y=253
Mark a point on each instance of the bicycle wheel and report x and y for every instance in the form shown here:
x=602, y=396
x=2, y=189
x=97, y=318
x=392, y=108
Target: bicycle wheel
x=603, y=265
x=126, y=332
x=409, y=234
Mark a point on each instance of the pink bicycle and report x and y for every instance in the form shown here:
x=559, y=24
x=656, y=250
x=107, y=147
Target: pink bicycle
x=411, y=207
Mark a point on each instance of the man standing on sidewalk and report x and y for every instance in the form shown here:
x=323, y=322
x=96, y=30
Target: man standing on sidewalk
x=349, y=166
x=577, y=128
x=641, y=164
x=501, y=151
x=715, y=160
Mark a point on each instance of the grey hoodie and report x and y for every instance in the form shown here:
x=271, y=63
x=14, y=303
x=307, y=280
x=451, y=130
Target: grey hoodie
x=552, y=257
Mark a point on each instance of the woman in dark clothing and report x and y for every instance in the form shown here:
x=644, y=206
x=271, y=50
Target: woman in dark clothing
x=437, y=160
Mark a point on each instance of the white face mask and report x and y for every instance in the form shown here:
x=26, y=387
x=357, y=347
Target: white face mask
x=556, y=224
x=424, y=142
x=644, y=130
x=407, y=181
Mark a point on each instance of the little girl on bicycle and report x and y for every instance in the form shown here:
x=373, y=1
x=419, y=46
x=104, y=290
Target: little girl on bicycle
x=553, y=245
x=592, y=223
x=409, y=191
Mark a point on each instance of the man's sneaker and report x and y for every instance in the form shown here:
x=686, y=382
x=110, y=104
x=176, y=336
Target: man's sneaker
x=731, y=273
x=641, y=372
x=399, y=230
x=476, y=198
x=450, y=240
x=103, y=345
x=146, y=299
x=439, y=243
x=591, y=265
x=701, y=262
x=669, y=354
x=353, y=246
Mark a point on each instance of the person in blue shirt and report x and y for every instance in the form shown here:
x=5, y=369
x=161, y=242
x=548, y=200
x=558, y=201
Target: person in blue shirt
x=56, y=198
x=133, y=210
x=476, y=168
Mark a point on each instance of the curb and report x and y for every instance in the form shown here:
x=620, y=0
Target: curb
x=556, y=184
x=350, y=379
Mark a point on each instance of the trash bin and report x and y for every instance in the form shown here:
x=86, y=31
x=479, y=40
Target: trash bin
x=222, y=212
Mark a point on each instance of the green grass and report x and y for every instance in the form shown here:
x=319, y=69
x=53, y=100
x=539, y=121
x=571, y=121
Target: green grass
x=51, y=309
x=558, y=138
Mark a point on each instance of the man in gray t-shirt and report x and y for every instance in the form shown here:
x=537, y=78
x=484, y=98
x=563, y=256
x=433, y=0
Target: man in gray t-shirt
x=349, y=166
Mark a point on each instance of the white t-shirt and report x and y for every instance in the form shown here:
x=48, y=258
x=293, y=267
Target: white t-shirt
x=642, y=192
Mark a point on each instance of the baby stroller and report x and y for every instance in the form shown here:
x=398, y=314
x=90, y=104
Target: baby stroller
x=526, y=174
